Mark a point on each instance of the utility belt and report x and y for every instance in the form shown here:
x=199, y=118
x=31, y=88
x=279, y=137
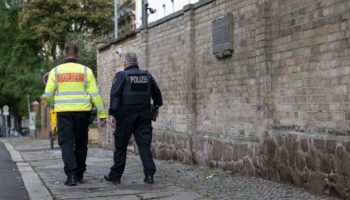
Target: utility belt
x=126, y=110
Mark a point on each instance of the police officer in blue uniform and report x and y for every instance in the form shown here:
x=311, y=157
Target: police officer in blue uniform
x=131, y=113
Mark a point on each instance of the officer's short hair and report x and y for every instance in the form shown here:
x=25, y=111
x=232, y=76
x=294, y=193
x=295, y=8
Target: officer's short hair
x=71, y=49
x=130, y=58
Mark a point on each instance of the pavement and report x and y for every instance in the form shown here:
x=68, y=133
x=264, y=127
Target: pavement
x=173, y=181
x=11, y=185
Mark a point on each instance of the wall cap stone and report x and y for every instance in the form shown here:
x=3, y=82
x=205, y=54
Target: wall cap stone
x=308, y=135
x=115, y=41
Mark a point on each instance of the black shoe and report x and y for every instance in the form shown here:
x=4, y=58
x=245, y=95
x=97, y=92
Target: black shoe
x=112, y=180
x=80, y=178
x=148, y=179
x=71, y=180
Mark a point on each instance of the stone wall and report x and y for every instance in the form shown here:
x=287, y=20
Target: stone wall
x=278, y=108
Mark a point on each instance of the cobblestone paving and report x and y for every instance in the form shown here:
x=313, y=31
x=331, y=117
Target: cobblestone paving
x=172, y=181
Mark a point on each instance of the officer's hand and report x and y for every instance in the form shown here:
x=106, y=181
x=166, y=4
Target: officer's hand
x=112, y=122
x=102, y=122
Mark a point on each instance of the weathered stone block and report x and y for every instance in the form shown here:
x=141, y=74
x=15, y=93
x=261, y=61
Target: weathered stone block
x=243, y=150
x=325, y=165
x=227, y=152
x=330, y=146
x=180, y=155
x=300, y=162
x=291, y=143
x=316, y=183
x=217, y=150
x=272, y=174
x=250, y=151
x=248, y=166
x=235, y=152
x=347, y=146
x=304, y=145
x=342, y=161
x=284, y=156
x=271, y=146
x=280, y=140
x=284, y=173
x=256, y=163
x=297, y=178
x=228, y=166
x=311, y=162
x=292, y=159
x=319, y=143
x=237, y=168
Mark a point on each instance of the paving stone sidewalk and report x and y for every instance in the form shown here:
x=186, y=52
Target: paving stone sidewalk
x=173, y=180
x=11, y=185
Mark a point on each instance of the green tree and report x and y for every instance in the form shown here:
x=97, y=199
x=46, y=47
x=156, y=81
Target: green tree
x=53, y=20
x=32, y=35
x=19, y=63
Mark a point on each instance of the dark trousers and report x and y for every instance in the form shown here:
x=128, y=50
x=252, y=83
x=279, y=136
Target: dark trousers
x=73, y=139
x=140, y=125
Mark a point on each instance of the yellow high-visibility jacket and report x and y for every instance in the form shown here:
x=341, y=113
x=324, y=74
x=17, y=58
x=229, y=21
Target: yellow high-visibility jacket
x=72, y=88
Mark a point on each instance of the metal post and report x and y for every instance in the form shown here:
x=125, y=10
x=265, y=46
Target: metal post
x=12, y=125
x=6, y=126
x=28, y=98
x=144, y=13
x=6, y=113
x=28, y=104
x=1, y=124
x=115, y=19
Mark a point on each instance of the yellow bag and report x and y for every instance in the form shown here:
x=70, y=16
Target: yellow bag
x=53, y=116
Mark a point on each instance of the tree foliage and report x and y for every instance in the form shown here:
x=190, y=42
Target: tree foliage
x=18, y=60
x=53, y=20
x=32, y=35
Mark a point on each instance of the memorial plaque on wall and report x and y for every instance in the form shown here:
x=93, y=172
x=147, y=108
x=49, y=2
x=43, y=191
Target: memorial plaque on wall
x=222, y=33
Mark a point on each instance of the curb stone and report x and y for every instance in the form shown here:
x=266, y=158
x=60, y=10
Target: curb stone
x=34, y=186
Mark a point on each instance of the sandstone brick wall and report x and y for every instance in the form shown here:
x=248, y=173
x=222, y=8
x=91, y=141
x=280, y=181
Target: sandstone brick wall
x=311, y=65
x=278, y=108
x=227, y=90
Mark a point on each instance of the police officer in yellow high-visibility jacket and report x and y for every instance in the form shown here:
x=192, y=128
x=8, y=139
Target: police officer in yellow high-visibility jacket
x=73, y=90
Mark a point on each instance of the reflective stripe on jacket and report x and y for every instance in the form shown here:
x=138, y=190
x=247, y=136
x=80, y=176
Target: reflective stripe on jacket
x=72, y=87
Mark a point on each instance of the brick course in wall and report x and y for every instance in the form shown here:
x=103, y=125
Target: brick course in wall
x=278, y=108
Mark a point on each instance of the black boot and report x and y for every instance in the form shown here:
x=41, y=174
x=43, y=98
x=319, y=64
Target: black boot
x=80, y=178
x=148, y=179
x=114, y=180
x=71, y=180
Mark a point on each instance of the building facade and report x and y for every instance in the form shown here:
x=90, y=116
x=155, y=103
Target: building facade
x=162, y=8
x=126, y=17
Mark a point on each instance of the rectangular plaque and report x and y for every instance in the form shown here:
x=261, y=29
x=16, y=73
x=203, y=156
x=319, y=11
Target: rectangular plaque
x=222, y=33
